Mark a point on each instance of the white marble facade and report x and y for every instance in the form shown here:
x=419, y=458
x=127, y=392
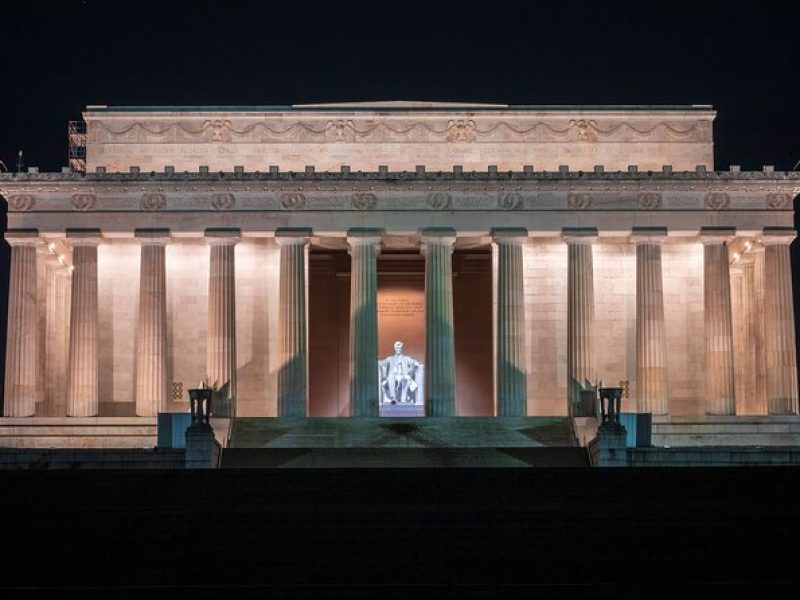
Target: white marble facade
x=323, y=190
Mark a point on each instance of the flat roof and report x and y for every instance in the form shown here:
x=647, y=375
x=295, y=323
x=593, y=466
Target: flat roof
x=406, y=106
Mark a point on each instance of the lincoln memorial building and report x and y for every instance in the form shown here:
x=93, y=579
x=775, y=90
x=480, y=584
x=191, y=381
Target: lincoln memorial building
x=521, y=255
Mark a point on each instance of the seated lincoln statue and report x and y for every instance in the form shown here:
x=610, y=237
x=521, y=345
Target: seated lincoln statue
x=401, y=378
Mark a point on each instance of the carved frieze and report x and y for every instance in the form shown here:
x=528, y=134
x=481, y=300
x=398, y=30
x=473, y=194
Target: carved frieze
x=363, y=201
x=717, y=200
x=154, y=201
x=22, y=202
x=223, y=201
x=580, y=201
x=438, y=200
x=83, y=202
x=508, y=201
x=293, y=201
x=650, y=200
x=461, y=130
x=778, y=201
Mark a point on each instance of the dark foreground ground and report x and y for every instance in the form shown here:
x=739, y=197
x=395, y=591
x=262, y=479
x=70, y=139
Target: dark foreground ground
x=401, y=533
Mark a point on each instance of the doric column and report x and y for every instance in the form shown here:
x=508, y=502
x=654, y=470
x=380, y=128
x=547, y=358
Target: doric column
x=779, y=316
x=43, y=258
x=82, y=400
x=440, y=376
x=512, y=392
x=57, y=351
x=293, y=373
x=651, y=357
x=758, y=329
x=221, y=345
x=151, y=332
x=364, y=247
x=21, y=340
x=720, y=395
x=581, y=367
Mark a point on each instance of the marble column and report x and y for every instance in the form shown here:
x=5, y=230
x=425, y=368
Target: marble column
x=22, y=336
x=651, y=354
x=720, y=395
x=82, y=399
x=293, y=373
x=440, y=375
x=151, y=332
x=221, y=345
x=747, y=331
x=781, y=354
x=758, y=329
x=43, y=258
x=511, y=380
x=57, y=351
x=581, y=366
x=364, y=248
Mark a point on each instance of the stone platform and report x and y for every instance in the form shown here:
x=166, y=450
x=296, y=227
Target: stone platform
x=78, y=432
x=403, y=443
x=755, y=430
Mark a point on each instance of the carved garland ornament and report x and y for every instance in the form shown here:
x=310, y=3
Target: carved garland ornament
x=438, y=200
x=717, y=200
x=22, y=202
x=293, y=201
x=83, y=202
x=363, y=201
x=580, y=201
x=154, y=201
x=508, y=201
x=778, y=201
x=461, y=131
x=223, y=201
x=650, y=200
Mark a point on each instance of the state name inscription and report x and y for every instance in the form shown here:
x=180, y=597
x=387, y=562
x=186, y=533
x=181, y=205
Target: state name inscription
x=398, y=306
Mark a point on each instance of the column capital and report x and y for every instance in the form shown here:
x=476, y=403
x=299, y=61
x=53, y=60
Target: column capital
x=441, y=235
x=716, y=235
x=648, y=235
x=222, y=236
x=365, y=235
x=84, y=237
x=509, y=235
x=287, y=236
x=778, y=235
x=23, y=237
x=152, y=237
x=579, y=235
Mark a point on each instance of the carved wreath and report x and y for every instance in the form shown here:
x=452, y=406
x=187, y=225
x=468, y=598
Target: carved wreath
x=717, y=200
x=580, y=201
x=650, y=200
x=339, y=130
x=83, y=201
x=293, y=201
x=778, y=201
x=223, y=201
x=22, y=202
x=438, y=200
x=461, y=131
x=363, y=201
x=587, y=129
x=508, y=201
x=153, y=201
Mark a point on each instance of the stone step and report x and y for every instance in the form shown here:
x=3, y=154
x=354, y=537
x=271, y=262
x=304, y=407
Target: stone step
x=78, y=432
x=727, y=431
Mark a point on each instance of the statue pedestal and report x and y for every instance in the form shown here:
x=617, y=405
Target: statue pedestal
x=402, y=410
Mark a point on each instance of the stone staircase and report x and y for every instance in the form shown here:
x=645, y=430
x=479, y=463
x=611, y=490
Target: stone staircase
x=77, y=432
x=746, y=430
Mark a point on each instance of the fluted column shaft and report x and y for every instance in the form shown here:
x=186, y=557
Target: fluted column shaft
x=581, y=366
x=440, y=376
x=57, y=351
x=720, y=395
x=82, y=399
x=781, y=354
x=758, y=329
x=151, y=333
x=21, y=340
x=364, y=248
x=651, y=355
x=293, y=373
x=221, y=345
x=512, y=392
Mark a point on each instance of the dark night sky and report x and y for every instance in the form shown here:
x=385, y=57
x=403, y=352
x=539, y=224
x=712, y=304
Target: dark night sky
x=741, y=57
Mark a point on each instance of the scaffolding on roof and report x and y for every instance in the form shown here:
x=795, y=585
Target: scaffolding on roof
x=77, y=146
